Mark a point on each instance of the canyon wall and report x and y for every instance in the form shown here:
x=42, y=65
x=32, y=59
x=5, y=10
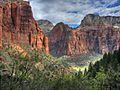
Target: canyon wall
x=96, y=34
x=17, y=26
x=1, y=26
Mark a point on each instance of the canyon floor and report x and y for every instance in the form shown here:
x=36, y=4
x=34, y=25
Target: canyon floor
x=80, y=62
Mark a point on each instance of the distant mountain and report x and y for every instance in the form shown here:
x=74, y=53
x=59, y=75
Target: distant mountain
x=96, y=34
x=97, y=20
x=46, y=26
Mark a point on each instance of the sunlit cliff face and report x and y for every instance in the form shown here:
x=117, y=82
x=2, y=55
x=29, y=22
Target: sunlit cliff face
x=17, y=26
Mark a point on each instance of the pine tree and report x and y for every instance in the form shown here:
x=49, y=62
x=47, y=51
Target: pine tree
x=91, y=70
x=85, y=72
x=118, y=55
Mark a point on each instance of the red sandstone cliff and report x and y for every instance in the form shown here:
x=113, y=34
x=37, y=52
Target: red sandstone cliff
x=95, y=35
x=18, y=26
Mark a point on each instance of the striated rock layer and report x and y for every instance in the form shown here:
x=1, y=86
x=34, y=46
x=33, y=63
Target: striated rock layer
x=95, y=35
x=18, y=26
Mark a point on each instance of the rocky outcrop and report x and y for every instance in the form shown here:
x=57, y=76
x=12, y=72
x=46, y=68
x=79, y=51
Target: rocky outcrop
x=96, y=20
x=58, y=39
x=46, y=26
x=18, y=26
x=95, y=35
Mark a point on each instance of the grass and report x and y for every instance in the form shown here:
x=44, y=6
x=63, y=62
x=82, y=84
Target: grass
x=77, y=68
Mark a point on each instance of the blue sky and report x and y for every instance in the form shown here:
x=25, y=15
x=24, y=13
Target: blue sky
x=73, y=11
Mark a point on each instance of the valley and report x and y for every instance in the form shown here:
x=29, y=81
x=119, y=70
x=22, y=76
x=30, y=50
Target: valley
x=80, y=62
x=45, y=55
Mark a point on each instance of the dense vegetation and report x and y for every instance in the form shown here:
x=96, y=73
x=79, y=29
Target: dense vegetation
x=36, y=71
x=106, y=72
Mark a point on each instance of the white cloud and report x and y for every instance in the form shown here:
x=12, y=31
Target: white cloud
x=25, y=0
x=71, y=11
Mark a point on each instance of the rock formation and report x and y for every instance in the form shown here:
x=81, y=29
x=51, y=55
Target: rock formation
x=96, y=20
x=18, y=26
x=46, y=26
x=58, y=39
x=96, y=34
x=1, y=26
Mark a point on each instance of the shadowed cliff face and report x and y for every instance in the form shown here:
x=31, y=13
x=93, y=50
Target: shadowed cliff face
x=95, y=35
x=46, y=26
x=58, y=39
x=18, y=26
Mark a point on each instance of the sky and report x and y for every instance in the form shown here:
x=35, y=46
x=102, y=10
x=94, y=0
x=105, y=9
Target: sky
x=71, y=12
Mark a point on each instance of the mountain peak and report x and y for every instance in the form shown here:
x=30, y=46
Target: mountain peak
x=60, y=23
x=96, y=20
x=46, y=26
